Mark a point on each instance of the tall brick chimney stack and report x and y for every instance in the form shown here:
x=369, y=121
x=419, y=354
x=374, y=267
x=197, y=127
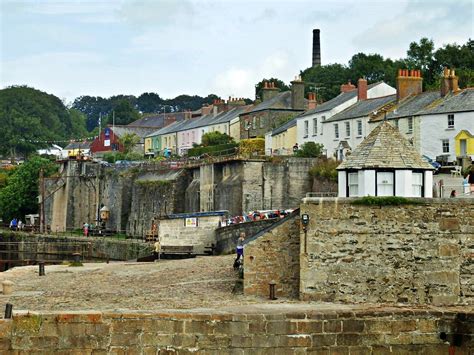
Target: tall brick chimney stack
x=316, y=49
x=347, y=87
x=312, y=103
x=361, y=89
x=449, y=82
x=297, y=94
x=269, y=90
x=409, y=82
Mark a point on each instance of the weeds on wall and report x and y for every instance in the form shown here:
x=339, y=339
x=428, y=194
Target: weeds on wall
x=153, y=183
x=385, y=201
x=325, y=169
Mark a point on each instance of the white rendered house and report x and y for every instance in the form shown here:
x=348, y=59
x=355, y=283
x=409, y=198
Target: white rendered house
x=385, y=164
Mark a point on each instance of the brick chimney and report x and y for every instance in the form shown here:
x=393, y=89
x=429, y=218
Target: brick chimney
x=409, y=82
x=361, y=89
x=206, y=109
x=347, y=87
x=449, y=82
x=316, y=48
x=297, y=94
x=312, y=103
x=220, y=105
x=269, y=90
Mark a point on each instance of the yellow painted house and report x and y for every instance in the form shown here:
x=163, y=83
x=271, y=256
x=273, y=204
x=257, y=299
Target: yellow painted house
x=284, y=138
x=464, y=144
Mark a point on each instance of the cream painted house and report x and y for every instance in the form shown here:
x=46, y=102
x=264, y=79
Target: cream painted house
x=283, y=139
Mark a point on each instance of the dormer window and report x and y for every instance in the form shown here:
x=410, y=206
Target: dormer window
x=451, y=121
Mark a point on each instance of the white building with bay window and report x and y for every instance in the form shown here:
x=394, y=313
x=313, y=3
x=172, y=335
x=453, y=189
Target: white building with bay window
x=385, y=164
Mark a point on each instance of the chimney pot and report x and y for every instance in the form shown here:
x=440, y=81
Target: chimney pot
x=362, y=89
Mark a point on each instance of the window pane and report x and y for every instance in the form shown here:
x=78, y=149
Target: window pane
x=385, y=184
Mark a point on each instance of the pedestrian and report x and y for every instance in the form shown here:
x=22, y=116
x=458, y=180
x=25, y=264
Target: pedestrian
x=20, y=225
x=85, y=228
x=470, y=179
x=295, y=148
x=239, y=250
x=13, y=224
x=453, y=194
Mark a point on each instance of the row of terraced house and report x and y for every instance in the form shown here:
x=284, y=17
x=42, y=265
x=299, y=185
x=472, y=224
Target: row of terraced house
x=438, y=123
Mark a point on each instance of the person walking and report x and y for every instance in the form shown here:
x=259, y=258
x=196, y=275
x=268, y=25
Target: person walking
x=85, y=228
x=470, y=180
x=13, y=224
x=239, y=250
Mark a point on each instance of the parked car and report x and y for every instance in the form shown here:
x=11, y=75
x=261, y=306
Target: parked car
x=432, y=162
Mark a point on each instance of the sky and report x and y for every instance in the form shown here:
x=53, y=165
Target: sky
x=197, y=47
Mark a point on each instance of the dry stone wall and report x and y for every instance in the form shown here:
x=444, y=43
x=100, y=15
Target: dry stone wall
x=418, y=254
x=379, y=331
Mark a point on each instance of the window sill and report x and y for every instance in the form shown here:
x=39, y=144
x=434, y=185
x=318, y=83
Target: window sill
x=410, y=132
x=359, y=136
x=314, y=135
x=305, y=136
x=450, y=128
x=336, y=139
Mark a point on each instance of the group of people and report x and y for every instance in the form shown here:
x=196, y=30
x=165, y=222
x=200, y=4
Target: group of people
x=16, y=224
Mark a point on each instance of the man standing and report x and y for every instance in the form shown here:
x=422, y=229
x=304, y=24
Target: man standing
x=13, y=224
x=240, y=250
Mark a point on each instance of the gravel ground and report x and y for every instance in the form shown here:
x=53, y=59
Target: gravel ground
x=167, y=284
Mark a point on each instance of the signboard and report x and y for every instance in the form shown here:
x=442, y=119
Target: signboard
x=191, y=222
x=107, y=133
x=107, y=143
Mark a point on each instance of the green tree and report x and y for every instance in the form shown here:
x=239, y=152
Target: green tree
x=215, y=138
x=310, y=150
x=129, y=141
x=20, y=195
x=326, y=80
x=123, y=112
x=278, y=83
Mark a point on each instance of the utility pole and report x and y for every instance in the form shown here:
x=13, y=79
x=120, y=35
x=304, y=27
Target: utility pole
x=42, y=198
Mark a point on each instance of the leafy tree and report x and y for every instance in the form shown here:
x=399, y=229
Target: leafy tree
x=19, y=196
x=93, y=108
x=123, y=113
x=310, y=150
x=129, y=141
x=326, y=80
x=215, y=138
x=421, y=55
x=30, y=118
x=149, y=102
x=278, y=83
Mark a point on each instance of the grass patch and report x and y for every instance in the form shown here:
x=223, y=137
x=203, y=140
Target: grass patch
x=385, y=201
x=76, y=264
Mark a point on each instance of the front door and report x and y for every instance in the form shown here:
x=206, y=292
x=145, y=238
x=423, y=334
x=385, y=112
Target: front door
x=463, y=144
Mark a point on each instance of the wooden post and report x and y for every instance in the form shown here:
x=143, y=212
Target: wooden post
x=42, y=209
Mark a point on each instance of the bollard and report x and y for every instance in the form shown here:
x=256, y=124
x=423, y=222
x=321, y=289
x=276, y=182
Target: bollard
x=7, y=287
x=272, y=290
x=8, y=310
x=41, y=268
x=77, y=257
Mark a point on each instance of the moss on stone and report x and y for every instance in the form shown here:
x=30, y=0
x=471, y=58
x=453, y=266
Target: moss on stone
x=31, y=323
x=385, y=201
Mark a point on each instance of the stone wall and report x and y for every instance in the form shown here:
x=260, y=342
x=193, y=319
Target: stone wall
x=283, y=331
x=173, y=232
x=226, y=237
x=417, y=254
x=273, y=256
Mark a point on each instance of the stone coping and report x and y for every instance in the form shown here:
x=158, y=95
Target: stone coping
x=421, y=200
x=278, y=310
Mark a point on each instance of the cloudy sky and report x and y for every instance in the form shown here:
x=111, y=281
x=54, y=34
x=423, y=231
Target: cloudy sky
x=72, y=48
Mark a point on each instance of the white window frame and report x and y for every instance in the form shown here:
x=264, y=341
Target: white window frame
x=410, y=124
x=353, y=184
x=348, y=129
x=383, y=183
x=336, y=131
x=451, y=120
x=315, y=126
x=445, y=145
x=306, y=129
x=359, y=128
x=417, y=184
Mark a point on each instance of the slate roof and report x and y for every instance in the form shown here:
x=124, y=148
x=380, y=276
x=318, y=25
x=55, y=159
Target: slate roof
x=284, y=127
x=174, y=127
x=231, y=114
x=411, y=105
x=282, y=101
x=458, y=102
x=338, y=100
x=384, y=147
x=363, y=108
x=157, y=120
x=142, y=132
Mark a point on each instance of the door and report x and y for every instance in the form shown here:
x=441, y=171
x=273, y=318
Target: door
x=463, y=144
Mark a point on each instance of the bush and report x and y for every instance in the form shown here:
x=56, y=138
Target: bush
x=252, y=146
x=309, y=150
x=325, y=169
x=215, y=138
x=112, y=157
x=385, y=201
